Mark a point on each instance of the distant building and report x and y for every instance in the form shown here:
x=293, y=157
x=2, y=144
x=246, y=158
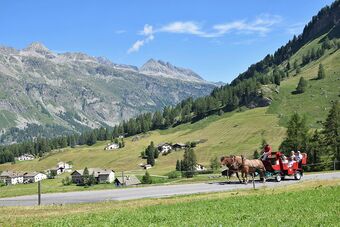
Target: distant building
x=64, y=167
x=200, y=167
x=147, y=166
x=11, y=177
x=32, y=177
x=164, y=148
x=112, y=146
x=25, y=157
x=179, y=146
x=100, y=175
x=127, y=181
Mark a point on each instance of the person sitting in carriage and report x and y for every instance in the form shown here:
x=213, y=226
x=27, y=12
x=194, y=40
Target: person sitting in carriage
x=292, y=159
x=298, y=156
x=267, y=152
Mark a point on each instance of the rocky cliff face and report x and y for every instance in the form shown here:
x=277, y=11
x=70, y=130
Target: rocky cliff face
x=76, y=91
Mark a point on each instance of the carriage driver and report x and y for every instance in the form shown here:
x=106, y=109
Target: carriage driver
x=267, y=152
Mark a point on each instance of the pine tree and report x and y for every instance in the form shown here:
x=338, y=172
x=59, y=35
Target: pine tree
x=297, y=135
x=288, y=66
x=150, y=156
x=189, y=163
x=146, y=179
x=178, y=165
x=321, y=72
x=256, y=154
x=332, y=131
x=92, y=139
x=214, y=164
x=86, y=176
x=302, y=85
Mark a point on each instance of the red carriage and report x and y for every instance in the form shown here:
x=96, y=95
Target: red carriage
x=278, y=166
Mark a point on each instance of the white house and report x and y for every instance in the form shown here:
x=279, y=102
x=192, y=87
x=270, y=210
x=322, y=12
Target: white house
x=25, y=157
x=10, y=177
x=31, y=177
x=112, y=146
x=147, y=166
x=64, y=166
x=164, y=148
x=200, y=167
x=101, y=175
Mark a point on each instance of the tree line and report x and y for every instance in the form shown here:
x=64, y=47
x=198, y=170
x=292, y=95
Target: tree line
x=316, y=143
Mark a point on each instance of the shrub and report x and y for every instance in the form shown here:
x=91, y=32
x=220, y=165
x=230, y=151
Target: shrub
x=146, y=179
x=66, y=181
x=173, y=175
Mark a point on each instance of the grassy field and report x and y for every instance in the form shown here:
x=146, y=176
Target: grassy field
x=310, y=203
x=316, y=101
x=238, y=133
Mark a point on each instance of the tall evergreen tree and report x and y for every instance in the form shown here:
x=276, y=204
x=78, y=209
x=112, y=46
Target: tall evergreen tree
x=189, y=163
x=332, y=131
x=302, y=86
x=321, y=72
x=297, y=135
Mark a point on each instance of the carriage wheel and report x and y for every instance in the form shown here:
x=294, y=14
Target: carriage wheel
x=297, y=176
x=278, y=178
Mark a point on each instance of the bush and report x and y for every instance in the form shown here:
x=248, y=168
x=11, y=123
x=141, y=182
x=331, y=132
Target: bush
x=188, y=174
x=146, y=179
x=173, y=175
x=66, y=181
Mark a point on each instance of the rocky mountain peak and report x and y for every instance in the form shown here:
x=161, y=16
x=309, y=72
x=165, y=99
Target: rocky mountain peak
x=37, y=47
x=160, y=68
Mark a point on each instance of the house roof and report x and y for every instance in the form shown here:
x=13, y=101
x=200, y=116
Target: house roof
x=128, y=180
x=31, y=174
x=96, y=171
x=11, y=174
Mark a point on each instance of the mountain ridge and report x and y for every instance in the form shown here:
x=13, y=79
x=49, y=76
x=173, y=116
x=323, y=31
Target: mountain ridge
x=76, y=91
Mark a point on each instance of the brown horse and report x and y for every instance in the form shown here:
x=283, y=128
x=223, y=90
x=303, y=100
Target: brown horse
x=234, y=165
x=251, y=166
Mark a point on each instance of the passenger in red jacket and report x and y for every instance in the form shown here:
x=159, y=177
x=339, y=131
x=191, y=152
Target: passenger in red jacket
x=267, y=152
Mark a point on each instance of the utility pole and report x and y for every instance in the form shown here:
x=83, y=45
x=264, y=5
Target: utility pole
x=123, y=180
x=39, y=193
x=253, y=175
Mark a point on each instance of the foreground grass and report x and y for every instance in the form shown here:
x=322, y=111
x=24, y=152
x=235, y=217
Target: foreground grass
x=311, y=203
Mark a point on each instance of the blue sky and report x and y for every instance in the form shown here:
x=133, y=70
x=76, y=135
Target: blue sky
x=217, y=39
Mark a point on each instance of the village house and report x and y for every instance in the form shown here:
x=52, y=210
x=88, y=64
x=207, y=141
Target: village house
x=177, y=146
x=164, y=148
x=100, y=175
x=147, y=166
x=32, y=177
x=112, y=146
x=200, y=167
x=64, y=167
x=127, y=181
x=11, y=177
x=25, y=157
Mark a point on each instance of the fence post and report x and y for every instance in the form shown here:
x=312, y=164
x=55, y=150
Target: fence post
x=334, y=164
x=39, y=193
x=253, y=180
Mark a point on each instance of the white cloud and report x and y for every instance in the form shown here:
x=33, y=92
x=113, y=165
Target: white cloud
x=261, y=25
x=136, y=46
x=187, y=27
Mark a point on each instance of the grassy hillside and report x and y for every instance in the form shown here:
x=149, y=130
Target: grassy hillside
x=275, y=207
x=232, y=133
x=316, y=101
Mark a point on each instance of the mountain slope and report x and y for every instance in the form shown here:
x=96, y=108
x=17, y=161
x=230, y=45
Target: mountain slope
x=73, y=91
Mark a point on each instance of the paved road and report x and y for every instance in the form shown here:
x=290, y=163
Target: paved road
x=147, y=192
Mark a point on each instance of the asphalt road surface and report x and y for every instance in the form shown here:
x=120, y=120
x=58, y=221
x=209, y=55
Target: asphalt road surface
x=149, y=192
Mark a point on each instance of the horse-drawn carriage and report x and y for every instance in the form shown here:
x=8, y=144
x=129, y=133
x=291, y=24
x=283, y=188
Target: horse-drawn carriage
x=278, y=167
x=274, y=166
